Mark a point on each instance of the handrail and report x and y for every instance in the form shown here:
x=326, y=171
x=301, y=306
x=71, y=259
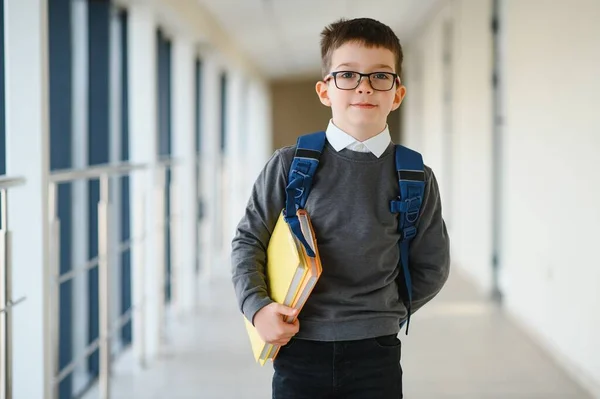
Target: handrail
x=6, y=301
x=108, y=327
x=9, y=182
x=94, y=172
x=11, y=304
x=167, y=161
x=93, y=262
x=68, y=369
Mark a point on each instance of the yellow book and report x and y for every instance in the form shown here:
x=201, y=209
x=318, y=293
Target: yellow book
x=287, y=266
x=311, y=277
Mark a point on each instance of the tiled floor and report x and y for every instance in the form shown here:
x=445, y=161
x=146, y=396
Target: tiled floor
x=460, y=346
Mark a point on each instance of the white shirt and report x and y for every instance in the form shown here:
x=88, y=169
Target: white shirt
x=340, y=140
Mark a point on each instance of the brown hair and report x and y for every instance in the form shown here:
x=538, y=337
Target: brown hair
x=366, y=31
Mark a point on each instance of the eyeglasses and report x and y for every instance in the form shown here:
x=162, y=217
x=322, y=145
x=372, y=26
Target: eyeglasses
x=350, y=80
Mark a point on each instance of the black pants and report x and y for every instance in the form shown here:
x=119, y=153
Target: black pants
x=362, y=369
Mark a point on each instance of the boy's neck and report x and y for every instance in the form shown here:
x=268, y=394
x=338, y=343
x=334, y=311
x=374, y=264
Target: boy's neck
x=360, y=133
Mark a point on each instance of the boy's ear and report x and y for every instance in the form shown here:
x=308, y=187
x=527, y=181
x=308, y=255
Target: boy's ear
x=321, y=88
x=398, y=97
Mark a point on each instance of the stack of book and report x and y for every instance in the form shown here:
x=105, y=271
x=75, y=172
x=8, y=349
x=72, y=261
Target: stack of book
x=291, y=276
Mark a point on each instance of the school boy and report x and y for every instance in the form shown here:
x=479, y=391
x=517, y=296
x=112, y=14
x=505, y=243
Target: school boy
x=345, y=343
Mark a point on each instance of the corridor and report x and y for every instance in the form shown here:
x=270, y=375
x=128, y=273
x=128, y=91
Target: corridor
x=132, y=132
x=460, y=346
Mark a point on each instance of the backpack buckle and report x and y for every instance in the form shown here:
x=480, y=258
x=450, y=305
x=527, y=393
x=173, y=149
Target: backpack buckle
x=410, y=206
x=301, y=181
x=411, y=217
x=396, y=206
x=413, y=205
x=408, y=233
x=300, y=175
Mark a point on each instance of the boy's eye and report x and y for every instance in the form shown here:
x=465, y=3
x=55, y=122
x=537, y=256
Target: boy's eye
x=382, y=76
x=348, y=75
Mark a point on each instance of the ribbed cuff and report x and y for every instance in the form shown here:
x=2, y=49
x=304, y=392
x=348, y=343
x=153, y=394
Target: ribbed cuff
x=253, y=304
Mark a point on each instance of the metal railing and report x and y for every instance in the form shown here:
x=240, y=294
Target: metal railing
x=107, y=328
x=163, y=167
x=7, y=304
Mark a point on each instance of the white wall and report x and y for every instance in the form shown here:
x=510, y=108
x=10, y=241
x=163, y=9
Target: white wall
x=210, y=165
x=259, y=133
x=80, y=220
x=115, y=134
x=248, y=149
x=551, y=141
x=472, y=142
x=424, y=124
x=27, y=155
x=234, y=159
x=551, y=177
x=456, y=145
x=143, y=150
x=184, y=192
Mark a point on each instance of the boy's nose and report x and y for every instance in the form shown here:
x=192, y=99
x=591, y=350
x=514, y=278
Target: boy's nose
x=364, y=85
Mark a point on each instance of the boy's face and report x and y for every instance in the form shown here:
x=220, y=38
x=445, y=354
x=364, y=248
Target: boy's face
x=362, y=109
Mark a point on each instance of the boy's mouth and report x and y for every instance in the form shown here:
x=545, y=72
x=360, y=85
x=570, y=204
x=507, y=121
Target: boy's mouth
x=364, y=105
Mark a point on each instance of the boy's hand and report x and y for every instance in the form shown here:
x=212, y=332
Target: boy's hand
x=271, y=327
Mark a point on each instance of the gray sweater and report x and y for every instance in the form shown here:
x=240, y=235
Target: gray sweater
x=357, y=294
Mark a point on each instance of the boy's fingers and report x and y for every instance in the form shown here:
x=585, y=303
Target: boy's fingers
x=292, y=328
x=295, y=325
x=285, y=310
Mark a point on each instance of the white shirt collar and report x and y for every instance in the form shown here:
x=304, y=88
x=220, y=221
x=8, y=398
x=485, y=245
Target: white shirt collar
x=340, y=140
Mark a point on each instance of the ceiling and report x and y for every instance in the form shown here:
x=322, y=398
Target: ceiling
x=281, y=37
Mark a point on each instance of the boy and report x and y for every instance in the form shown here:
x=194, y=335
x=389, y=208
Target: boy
x=345, y=343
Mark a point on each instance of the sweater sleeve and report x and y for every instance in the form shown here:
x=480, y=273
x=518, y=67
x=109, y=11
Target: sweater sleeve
x=249, y=246
x=429, y=260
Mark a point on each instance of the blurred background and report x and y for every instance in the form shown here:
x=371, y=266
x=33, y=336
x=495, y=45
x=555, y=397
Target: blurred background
x=131, y=132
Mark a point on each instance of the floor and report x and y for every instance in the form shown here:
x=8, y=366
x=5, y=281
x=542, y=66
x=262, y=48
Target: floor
x=460, y=346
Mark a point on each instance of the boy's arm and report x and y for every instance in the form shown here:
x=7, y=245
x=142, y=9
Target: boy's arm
x=430, y=250
x=249, y=246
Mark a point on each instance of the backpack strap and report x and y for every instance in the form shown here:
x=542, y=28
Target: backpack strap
x=411, y=176
x=300, y=178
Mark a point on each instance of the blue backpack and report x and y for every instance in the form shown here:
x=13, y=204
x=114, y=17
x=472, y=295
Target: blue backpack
x=411, y=178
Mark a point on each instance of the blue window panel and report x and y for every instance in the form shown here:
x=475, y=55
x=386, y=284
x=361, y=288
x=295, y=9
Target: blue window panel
x=126, y=332
x=164, y=139
x=60, y=81
x=164, y=94
x=98, y=141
